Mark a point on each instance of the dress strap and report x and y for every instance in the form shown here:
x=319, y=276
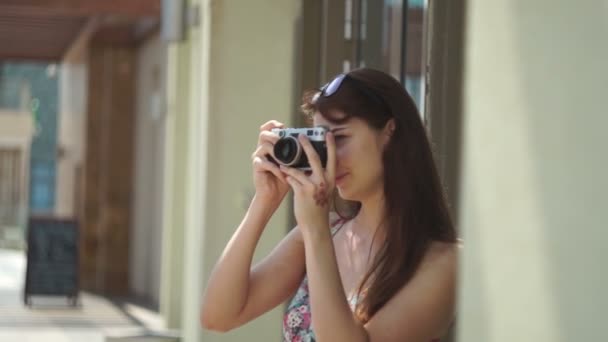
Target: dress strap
x=337, y=225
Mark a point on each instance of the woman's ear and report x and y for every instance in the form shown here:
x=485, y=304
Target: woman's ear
x=389, y=130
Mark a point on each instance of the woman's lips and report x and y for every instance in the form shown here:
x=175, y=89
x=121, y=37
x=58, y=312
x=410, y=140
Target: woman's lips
x=341, y=178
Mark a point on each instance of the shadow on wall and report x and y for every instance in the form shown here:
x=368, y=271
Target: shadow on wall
x=475, y=310
x=564, y=85
x=534, y=205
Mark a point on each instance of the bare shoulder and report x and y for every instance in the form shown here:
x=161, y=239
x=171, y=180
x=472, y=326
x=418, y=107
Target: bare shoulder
x=424, y=308
x=440, y=258
x=442, y=254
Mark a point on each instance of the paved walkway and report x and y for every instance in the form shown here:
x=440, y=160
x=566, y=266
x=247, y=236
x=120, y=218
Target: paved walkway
x=50, y=319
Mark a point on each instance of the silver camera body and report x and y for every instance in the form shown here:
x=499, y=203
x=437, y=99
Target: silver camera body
x=289, y=152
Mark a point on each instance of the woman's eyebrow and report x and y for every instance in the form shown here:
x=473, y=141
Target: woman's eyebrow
x=337, y=129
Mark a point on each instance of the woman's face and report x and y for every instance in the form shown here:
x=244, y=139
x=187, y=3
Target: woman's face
x=359, y=172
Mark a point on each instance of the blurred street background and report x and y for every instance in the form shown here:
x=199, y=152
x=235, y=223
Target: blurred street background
x=52, y=320
x=126, y=129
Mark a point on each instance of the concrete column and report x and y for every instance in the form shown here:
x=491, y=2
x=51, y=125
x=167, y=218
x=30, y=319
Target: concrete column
x=148, y=178
x=533, y=204
x=235, y=71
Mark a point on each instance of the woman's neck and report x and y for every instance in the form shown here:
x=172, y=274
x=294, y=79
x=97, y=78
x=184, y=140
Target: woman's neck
x=371, y=215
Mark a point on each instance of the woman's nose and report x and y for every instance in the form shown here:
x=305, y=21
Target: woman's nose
x=339, y=154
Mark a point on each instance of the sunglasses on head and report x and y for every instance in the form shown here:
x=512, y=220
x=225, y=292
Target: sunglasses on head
x=332, y=87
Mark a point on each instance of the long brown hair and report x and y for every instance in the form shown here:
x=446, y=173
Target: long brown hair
x=416, y=206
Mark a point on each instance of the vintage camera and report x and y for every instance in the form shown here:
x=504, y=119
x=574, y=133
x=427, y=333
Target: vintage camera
x=289, y=152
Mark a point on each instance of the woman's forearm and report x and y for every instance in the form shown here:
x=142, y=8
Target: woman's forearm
x=227, y=288
x=332, y=318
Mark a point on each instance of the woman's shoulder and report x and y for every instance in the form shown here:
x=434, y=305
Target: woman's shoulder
x=439, y=265
x=442, y=254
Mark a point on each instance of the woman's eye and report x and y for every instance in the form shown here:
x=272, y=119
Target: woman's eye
x=339, y=137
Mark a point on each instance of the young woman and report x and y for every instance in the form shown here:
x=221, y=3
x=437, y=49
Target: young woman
x=384, y=268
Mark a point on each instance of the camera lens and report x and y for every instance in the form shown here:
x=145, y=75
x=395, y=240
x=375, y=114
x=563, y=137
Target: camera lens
x=287, y=150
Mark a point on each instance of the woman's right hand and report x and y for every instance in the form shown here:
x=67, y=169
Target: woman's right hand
x=270, y=183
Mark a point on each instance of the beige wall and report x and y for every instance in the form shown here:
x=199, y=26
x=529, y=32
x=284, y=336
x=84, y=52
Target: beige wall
x=534, y=172
x=16, y=127
x=145, y=251
x=235, y=72
x=252, y=78
x=16, y=132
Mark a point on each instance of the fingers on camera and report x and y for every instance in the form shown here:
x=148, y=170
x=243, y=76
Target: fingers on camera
x=268, y=136
x=265, y=165
x=264, y=149
x=270, y=125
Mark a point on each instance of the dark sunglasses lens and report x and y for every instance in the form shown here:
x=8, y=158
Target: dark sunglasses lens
x=333, y=86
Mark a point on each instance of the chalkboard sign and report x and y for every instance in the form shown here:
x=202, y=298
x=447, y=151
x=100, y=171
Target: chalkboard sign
x=52, y=259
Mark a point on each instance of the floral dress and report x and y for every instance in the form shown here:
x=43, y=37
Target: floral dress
x=297, y=321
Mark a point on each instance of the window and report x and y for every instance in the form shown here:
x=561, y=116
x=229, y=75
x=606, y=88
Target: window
x=391, y=38
x=388, y=35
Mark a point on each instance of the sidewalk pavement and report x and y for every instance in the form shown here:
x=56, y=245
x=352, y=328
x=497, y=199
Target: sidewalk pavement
x=51, y=319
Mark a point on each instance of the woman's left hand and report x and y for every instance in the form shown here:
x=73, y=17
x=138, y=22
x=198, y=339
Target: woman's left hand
x=312, y=192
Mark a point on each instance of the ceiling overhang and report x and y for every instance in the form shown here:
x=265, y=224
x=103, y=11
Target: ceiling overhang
x=44, y=30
